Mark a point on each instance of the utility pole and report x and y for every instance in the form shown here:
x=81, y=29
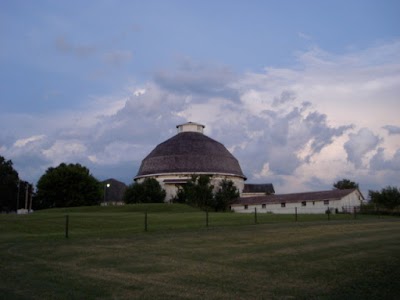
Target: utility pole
x=107, y=185
x=26, y=196
x=30, y=198
x=19, y=184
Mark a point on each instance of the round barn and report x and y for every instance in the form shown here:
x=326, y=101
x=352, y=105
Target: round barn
x=190, y=152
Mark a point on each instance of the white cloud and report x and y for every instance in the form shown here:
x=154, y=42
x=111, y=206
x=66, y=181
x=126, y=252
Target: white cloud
x=65, y=151
x=24, y=142
x=300, y=128
x=360, y=144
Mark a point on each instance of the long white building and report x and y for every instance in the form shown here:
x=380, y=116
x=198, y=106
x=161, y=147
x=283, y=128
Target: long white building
x=304, y=203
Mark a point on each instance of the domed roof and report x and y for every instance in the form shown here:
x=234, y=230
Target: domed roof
x=190, y=152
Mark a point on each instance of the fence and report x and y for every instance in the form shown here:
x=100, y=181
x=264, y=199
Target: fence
x=122, y=224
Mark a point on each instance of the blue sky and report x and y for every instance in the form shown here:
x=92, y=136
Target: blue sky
x=292, y=88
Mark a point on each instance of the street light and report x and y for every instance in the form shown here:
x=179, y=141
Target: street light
x=105, y=191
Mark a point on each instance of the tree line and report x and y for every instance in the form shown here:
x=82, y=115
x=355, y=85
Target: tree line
x=69, y=185
x=15, y=193
x=73, y=185
x=387, y=198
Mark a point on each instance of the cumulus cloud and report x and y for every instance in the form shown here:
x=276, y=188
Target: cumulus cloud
x=392, y=130
x=379, y=162
x=288, y=126
x=359, y=144
x=285, y=97
x=65, y=150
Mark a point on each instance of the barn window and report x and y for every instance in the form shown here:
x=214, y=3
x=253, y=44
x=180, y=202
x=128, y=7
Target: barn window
x=246, y=206
x=263, y=205
x=326, y=202
x=304, y=203
x=283, y=204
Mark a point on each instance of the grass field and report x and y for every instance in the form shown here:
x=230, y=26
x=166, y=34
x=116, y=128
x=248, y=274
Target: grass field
x=109, y=256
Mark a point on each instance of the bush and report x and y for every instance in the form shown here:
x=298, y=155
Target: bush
x=149, y=191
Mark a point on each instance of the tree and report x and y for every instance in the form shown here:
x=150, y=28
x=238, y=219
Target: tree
x=225, y=195
x=8, y=185
x=149, y=191
x=388, y=197
x=198, y=191
x=345, y=184
x=67, y=185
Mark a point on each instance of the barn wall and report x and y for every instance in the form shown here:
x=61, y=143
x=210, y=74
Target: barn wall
x=312, y=207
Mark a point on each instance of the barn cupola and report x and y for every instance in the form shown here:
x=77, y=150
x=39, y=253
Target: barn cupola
x=190, y=127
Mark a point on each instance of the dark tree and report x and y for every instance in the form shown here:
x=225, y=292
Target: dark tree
x=149, y=191
x=345, y=184
x=388, y=197
x=8, y=185
x=67, y=185
x=198, y=191
x=226, y=194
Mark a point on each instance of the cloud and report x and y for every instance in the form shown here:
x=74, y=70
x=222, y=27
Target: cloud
x=24, y=142
x=65, y=46
x=285, y=141
x=285, y=97
x=359, y=144
x=199, y=81
x=379, y=162
x=304, y=36
x=392, y=130
x=298, y=127
x=65, y=150
x=118, y=57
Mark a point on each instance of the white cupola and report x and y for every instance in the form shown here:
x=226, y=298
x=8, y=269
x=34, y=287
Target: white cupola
x=190, y=127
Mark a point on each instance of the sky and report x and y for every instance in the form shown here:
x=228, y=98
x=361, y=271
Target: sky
x=303, y=93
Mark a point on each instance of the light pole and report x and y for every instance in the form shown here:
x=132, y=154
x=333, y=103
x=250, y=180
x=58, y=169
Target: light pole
x=107, y=185
x=19, y=184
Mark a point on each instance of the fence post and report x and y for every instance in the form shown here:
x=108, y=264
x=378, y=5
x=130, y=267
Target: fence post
x=295, y=213
x=145, y=220
x=66, y=225
x=329, y=214
x=207, y=217
x=355, y=212
x=255, y=215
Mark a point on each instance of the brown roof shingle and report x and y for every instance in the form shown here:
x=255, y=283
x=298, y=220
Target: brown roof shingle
x=190, y=152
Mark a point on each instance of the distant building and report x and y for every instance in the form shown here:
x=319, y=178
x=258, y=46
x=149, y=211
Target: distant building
x=251, y=190
x=113, y=192
x=305, y=203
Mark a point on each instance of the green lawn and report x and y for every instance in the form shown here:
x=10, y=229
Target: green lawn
x=109, y=256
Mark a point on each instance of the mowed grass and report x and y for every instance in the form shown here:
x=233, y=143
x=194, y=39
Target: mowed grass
x=109, y=256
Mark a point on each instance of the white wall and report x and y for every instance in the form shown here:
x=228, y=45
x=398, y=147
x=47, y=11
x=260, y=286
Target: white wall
x=311, y=207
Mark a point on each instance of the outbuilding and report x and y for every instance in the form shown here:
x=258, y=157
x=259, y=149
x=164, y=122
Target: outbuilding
x=335, y=201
